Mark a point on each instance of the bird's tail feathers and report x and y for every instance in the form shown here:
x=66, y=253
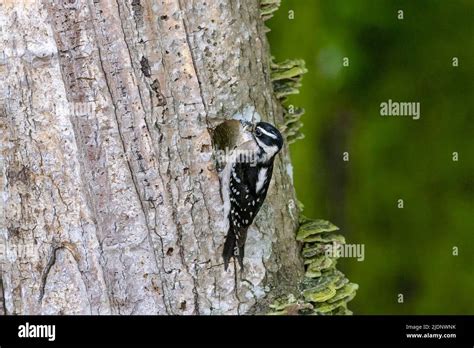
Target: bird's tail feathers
x=234, y=246
x=228, y=248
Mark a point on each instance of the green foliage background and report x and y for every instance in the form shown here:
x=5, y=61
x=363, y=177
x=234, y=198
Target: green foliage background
x=407, y=251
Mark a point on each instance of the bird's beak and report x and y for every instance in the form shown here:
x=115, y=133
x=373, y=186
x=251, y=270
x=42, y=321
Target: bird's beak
x=248, y=126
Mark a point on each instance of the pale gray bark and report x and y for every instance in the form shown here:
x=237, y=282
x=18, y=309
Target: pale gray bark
x=110, y=194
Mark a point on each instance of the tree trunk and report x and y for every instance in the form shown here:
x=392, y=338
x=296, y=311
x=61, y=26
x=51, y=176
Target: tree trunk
x=111, y=198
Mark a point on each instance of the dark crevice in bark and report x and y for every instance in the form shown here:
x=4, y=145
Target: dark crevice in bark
x=68, y=49
x=193, y=58
x=146, y=70
x=131, y=171
x=2, y=297
x=47, y=269
x=110, y=291
x=51, y=262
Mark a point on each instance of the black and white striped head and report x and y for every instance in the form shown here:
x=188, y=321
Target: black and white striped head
x=269, y=139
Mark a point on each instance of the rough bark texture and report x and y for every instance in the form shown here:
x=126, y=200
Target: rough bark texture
x=110, y=194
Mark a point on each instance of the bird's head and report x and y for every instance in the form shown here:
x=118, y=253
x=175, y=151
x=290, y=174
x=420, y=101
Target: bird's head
x=269, y=140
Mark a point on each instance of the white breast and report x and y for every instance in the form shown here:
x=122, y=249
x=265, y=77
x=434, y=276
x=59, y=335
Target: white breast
x=262, y=177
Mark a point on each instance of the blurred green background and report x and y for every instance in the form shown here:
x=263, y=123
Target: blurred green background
x=409, y=250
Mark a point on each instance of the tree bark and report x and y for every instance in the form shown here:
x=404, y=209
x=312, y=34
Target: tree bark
x=110, y=193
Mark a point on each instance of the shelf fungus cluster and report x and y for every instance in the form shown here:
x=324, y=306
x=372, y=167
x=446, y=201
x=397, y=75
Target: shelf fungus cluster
x=267, y=7
x=286, y=80
x=324, y=290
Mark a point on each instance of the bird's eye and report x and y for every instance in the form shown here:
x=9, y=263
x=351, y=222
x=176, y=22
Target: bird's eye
x=258, y=132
